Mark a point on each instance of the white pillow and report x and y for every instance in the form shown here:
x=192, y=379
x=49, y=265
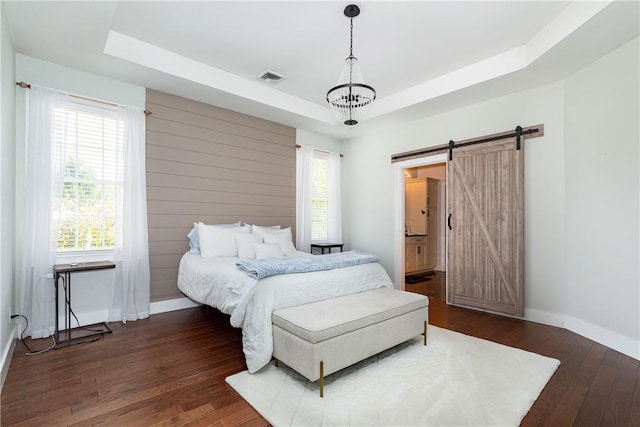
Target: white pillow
x=218, y=241
x=282, y=238
x=244, y=242
x=267, y=250
x=259, y=229
x=194, y=241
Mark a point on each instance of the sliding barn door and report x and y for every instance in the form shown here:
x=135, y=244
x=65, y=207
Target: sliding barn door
x=485, y=185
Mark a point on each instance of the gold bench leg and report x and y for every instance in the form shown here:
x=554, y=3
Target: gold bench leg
x=321, y=380
x=425, y=332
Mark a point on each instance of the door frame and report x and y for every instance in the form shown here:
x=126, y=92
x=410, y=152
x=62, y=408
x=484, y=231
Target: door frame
x=399, y=216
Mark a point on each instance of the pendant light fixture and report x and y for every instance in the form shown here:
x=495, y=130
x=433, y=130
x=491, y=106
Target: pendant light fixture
x=351, y=97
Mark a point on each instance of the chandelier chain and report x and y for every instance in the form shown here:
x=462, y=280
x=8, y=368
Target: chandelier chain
x=351, y=40
x=351, y=67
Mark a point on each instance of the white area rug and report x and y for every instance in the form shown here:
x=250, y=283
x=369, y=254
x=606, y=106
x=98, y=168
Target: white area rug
x=456, y=380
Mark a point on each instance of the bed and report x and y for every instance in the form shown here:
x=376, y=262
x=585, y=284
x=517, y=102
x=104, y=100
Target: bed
x=219, y=283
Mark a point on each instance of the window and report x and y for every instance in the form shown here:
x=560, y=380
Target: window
x=87, y=163
x=319, y=197
x=318, y=215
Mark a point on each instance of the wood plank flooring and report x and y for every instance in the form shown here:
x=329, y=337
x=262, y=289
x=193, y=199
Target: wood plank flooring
x=434, y=285
x=170, y=370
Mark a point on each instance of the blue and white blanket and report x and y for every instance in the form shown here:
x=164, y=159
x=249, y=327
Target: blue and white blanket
x=261, y=268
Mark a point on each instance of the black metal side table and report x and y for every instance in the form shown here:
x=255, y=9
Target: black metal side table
x=327, y=246
x=63, y=271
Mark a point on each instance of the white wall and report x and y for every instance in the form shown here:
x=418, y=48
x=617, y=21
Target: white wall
x=316, y=140
x=368, y=200
x=7, y=192
x=55, y=76
x=602, y=140
x=581, y=194
x=90, y=291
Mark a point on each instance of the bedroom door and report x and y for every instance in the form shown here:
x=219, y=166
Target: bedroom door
x=485, y=184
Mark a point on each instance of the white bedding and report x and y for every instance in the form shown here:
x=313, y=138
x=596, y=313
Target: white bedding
x=219, y=283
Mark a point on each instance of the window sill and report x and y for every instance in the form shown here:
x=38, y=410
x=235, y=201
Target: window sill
x=84, y=256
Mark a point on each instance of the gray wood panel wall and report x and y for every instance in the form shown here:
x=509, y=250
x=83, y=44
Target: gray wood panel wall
x=213, y=165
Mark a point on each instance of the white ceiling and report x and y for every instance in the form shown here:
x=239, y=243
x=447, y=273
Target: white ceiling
x=422, y=57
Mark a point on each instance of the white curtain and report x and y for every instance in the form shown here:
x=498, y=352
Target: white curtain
x=304, y=173
x=303, y=198
x=130, y=298
x=334, y=229
x=39, y=236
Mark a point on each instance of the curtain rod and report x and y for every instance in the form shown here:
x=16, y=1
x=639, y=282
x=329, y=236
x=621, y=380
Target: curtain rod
x=25, y=85
x=319, y=151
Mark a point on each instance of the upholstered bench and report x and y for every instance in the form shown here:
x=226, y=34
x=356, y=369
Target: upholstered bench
x=322, y=337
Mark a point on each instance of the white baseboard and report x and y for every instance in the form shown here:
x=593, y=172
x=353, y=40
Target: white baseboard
x=8, y=355
x=99, y=316
x=621, y=343
x=613, y=340
x=172, y=305
x=544, y=317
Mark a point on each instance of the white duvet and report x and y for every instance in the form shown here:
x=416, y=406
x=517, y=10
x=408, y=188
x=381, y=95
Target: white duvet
x=219, y=283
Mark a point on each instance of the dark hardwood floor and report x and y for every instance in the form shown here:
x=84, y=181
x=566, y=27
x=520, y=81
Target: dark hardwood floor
x=170, y=370
x=432, y=284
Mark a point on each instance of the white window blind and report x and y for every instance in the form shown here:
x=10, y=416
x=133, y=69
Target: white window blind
x=319, y=197
x=88, y=163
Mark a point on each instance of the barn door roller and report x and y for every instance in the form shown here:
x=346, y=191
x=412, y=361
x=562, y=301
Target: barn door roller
x=518, y=134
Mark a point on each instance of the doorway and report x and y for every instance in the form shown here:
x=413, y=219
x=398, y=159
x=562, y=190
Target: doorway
x=425, y=205
x=420, y=264
x=485, y=218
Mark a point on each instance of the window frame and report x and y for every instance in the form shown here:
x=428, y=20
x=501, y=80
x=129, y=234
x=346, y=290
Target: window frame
x=319, y=155
x=105, y=111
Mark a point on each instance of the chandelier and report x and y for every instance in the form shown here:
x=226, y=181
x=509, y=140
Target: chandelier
x=351, y=97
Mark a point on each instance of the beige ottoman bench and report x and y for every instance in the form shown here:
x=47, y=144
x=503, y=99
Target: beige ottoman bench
x=322, y=337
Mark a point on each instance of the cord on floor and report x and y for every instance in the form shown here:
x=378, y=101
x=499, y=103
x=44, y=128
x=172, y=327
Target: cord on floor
x=31, y=352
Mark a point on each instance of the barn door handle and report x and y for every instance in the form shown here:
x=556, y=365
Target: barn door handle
x=449, y=222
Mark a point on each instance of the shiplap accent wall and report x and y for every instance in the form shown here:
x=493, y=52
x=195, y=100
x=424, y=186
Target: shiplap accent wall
x=213, y=165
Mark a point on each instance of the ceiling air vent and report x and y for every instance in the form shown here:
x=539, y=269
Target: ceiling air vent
x=271, y=77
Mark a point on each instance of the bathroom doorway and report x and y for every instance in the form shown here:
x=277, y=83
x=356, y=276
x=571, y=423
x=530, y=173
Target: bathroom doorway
x=425, y=247
x=420, y=221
